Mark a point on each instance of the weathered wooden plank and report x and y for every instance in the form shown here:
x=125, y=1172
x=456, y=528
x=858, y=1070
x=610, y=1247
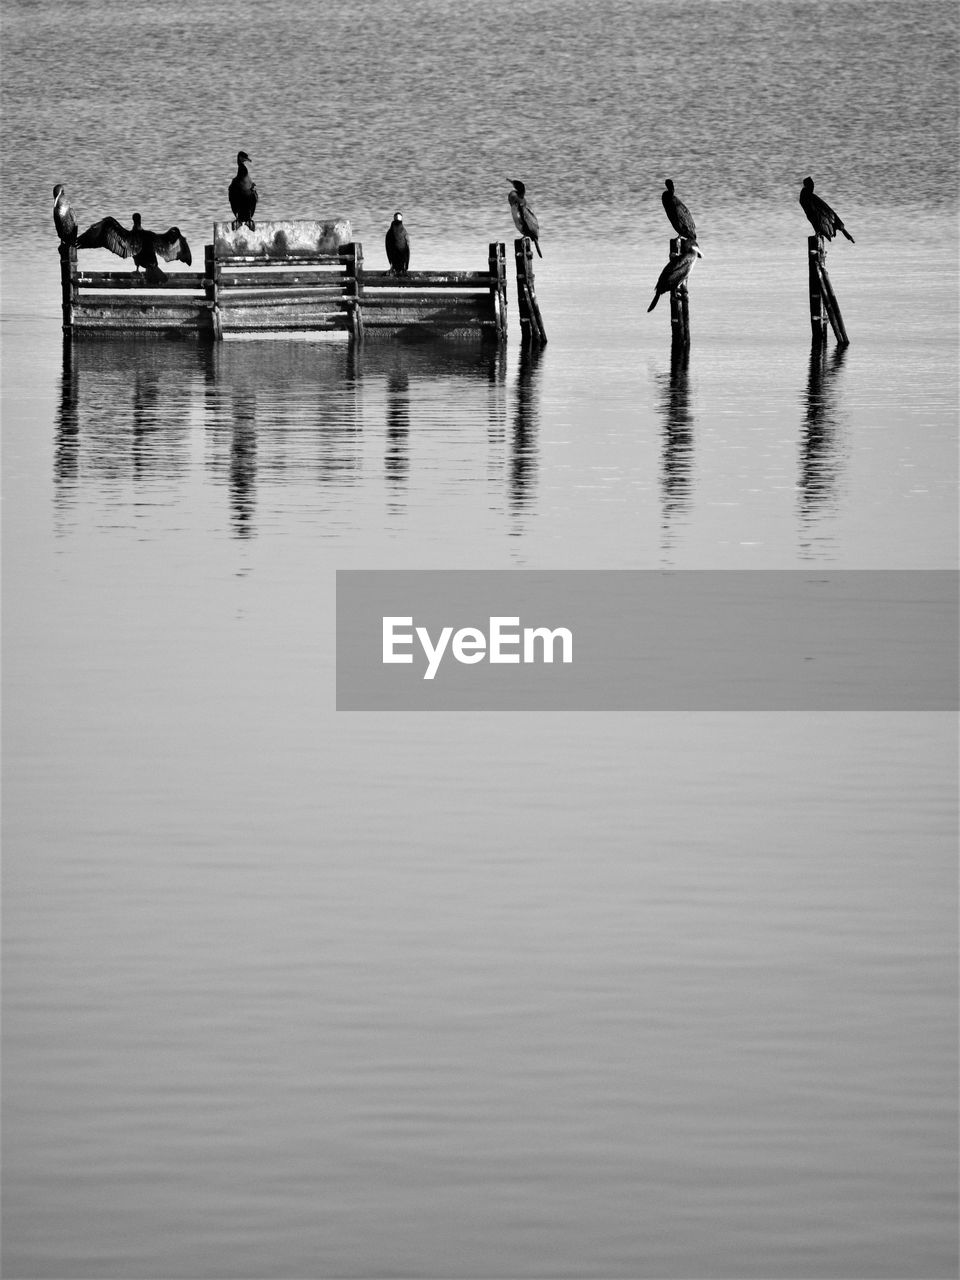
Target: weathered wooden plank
x=407, y=317
x=428, y=280
x=229, y=301
x=85, y=317
x=472, y=304
x=284, y=279
x=173, y=301
x=130, y=280
x=281, y=239
x=266, y=318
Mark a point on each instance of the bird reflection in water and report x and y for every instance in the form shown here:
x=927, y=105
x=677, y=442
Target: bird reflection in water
x=677, y=450
x=146, y=417
x=523, y=459
x=397, y=455
x=819, y=457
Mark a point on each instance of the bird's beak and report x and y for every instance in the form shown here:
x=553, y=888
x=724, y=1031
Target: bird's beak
x=696, y=250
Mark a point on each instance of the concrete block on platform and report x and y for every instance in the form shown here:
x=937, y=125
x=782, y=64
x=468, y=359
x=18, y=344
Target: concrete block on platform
x=282, y=239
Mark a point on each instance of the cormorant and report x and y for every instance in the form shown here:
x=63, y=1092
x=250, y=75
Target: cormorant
x=137, y=243
x=524, y=219
x=63, y=218
x=243, y=194
x=398, y=246
x=823, y=219
x=681, y=219
x=675, y=272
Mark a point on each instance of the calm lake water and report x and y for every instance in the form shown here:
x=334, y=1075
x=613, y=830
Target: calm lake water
x=296, y=994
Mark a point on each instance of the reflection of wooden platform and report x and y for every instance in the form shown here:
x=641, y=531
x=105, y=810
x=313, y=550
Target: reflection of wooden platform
x=287, y=277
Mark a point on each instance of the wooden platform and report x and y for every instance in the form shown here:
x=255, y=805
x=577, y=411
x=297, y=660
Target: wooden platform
x=286, y=277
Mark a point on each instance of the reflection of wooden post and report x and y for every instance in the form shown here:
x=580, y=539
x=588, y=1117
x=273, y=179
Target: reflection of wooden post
x=823, y=301
x=497, y=265
x=531, y=322
x=679, y=301
x=68, y=285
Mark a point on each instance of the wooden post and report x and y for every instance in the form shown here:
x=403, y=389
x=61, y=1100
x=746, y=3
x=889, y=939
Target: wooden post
x=497, y=264
x=531, y=322
x=352, y=254
x=823, y=300
x=679, y=302
x=818, y=314
x=68, y=284
x=211, y=287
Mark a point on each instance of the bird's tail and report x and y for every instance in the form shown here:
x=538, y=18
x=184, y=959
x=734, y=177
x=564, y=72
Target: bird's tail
x=536, y=245
x=656, y=299
x=846, y=233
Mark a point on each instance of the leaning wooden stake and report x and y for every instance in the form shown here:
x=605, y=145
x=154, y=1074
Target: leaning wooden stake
x=531, y=322
x=679, y=302
x=823, y=300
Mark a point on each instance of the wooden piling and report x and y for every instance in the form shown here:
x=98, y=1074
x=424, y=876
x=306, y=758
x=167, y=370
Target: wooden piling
x=211, y=288
x=68, y=287
x=823, y=300
x=497, y=264
x=531, y=322
x=679, y=302
x=818, y=312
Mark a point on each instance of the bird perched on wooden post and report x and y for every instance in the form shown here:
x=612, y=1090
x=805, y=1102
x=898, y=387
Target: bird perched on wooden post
x=524, y=219
x=398, y=246
x=243, y=194
x=824, y=220
x=138, y=243
x=676, y=271
x=63, y=218
x=681, y=219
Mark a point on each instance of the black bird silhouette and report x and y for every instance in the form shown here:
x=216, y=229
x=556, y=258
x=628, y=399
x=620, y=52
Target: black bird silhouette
x=824, y=220
x=243, y=194
x=63, y=218
x=398, y=246
x=524, y=219
x=675, y=272
x=138, y=243
x=681, y=219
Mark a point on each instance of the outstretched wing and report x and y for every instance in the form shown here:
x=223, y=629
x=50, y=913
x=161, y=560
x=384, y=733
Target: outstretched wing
x=109, y=234
x=171, y=245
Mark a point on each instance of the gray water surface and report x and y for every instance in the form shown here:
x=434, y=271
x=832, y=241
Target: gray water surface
x=289, y=993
